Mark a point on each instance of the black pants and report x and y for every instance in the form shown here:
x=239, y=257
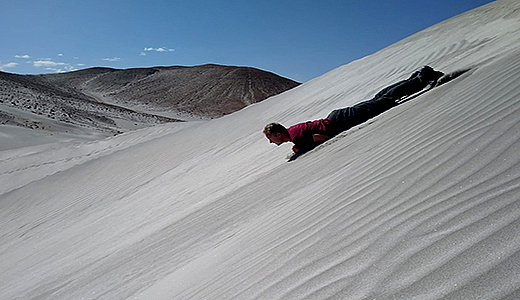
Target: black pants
x=345, y=118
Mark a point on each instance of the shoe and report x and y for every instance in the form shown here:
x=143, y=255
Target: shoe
x=428, y=75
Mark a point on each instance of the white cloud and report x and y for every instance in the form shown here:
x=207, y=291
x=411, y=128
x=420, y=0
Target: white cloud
x=160, y=49
x=47, y=64
x=54, y=66
x=60, y=54
x=66, y=69
x=8, y=65
x=112, y=59
x=22, y=56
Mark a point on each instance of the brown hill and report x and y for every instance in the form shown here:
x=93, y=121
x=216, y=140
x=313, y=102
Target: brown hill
x=112, y=101
x=205, y=91
x=30, y=101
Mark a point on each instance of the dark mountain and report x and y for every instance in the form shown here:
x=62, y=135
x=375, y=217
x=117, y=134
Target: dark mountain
x=113, y=101
x=204, y=91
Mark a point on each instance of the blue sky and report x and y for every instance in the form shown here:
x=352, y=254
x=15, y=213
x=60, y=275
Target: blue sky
x=296, y=39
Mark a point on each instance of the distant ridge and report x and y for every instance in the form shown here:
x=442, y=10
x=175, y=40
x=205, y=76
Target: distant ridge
x=207, y=91
x=113, y=100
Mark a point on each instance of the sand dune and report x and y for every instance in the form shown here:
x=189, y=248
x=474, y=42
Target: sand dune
x=421, y=202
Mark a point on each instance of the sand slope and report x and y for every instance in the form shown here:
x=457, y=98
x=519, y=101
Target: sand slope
x=421, y=202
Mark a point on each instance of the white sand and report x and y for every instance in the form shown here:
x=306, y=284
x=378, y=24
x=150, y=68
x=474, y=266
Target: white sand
x=421, y=202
